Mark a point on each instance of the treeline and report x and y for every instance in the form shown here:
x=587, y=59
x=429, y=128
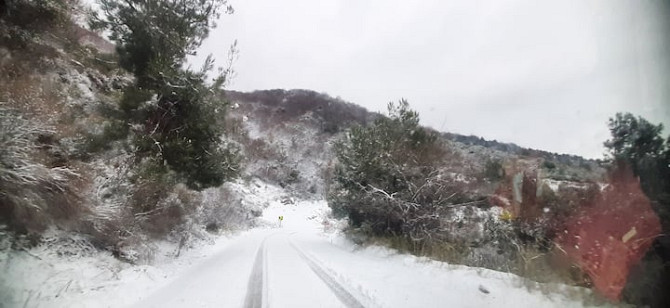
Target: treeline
x=511, y=148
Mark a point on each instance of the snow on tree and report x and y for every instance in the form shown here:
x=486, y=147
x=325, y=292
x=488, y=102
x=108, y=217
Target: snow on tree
x=179, y=130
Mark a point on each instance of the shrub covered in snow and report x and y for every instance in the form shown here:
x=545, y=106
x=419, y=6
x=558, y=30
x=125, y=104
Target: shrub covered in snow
x=33, y=196
x=387, y=177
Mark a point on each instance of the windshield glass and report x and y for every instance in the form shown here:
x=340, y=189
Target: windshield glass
x=335, y=153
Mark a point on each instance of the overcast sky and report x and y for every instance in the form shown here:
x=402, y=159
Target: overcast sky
x=542, y=74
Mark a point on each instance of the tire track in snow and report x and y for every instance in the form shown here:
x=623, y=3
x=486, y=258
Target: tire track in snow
x=340, y=292
x=257, y=295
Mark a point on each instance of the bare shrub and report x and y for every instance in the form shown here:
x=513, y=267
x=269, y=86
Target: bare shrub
x=68, y=244
x=135, y=248
x=112, y=218
x=33, y=195
x=258, y=149
x=509, y=248
x=131, y=210
x=222, y=209
x=160, y=208
x=37, y=95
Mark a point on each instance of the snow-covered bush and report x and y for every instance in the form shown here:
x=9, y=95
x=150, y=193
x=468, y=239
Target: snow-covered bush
x=32, y=195
x=171, y=209
x=387, y=177
x=223, y=208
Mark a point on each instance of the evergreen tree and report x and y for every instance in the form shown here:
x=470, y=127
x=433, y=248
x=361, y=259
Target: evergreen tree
x=639, y=144
x=634, y=139
x=386, y=174
x=176, y=107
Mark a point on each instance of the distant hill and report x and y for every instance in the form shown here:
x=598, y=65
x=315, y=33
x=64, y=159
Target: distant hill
x=337, y=114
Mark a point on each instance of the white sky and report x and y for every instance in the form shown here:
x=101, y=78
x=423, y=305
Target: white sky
x=542, y=74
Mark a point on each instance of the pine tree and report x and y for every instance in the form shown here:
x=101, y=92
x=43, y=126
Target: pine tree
x=176, y=107
x=639, y=144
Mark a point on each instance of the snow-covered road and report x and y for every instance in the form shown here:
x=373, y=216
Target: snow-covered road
x=300, y=265
x=268, y=267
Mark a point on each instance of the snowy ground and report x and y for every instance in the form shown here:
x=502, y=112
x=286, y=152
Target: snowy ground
x=303, y=263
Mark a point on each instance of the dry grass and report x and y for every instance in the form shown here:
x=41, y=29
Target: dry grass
x=38, y=95
x=33, y=195
x=539, y=271
x=505, y=252
x=43, y=97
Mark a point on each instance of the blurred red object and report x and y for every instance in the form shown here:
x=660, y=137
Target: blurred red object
x=606, y=238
